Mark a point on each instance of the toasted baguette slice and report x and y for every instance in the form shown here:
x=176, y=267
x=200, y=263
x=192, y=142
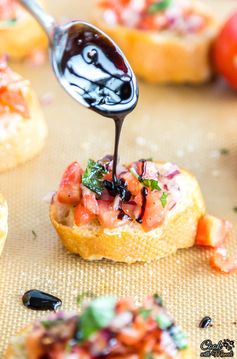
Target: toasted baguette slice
x=117, y=318
x=25, y=137
x=20, y=38
x=166, y=57
x=3, y=222
x=129, y=243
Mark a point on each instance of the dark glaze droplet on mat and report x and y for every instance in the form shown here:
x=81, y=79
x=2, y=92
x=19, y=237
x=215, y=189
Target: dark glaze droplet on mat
x=205, y=322
x=100, y=76
x=37, y=300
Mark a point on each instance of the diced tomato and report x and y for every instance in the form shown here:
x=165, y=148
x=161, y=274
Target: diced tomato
x=90, y=201
x=15, y=101
x=7, y=10
x=132, y=210
x=154, y=212
x=82, y=215
x=134, y=186
x=132, y=335
x=108, y=217
x=33, y=347
x=222, y=262
x=212, y=231
x=69, y=189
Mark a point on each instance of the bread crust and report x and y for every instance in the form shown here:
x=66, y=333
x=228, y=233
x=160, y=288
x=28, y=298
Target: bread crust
x=184, y=354
x=3, y=222
x=131, y=244
x=20, y=39
x=160, y=57
x=28, y=140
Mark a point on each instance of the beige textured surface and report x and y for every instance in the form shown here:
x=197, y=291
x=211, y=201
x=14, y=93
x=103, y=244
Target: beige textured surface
x=182, y=124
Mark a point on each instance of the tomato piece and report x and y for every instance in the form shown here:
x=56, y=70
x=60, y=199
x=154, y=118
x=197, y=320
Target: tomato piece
x=132, y=335
x=33, y=347
x=108, y=217
x=69, y=190
x=225, y=51
x=134, y=186
x=7, y=10
x=212, y=231
x=222, y=262
x=154, y=212
x=82, y=215
x=15, y=101
x=89, y=200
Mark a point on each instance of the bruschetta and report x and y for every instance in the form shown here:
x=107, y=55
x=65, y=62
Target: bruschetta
x=3, y=222
x=22, y=126
x=151, y=211
x=106, y=328
x=165, y=41
x=20, y=34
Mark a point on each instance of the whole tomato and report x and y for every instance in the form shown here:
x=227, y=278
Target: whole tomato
x=225, y=51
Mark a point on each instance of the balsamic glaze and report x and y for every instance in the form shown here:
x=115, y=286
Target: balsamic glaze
x=96, y=73
x=37, y=300
x=144, y=193
x=205, y=322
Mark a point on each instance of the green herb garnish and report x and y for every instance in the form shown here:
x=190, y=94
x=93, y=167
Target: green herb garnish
x=179, y=338
x=96, y=316
x=144, y=313
x=235, y=209
x=9, y=22
x=48, y=324
x=163, y=199
x=150, y=183
x=159, y=6
x=84, y=295
x=34, y=234
x=93, y=176
x=163, y=321
x=224, y=151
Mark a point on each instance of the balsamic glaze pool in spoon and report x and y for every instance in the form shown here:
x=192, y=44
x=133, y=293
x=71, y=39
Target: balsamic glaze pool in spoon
x=96, y=73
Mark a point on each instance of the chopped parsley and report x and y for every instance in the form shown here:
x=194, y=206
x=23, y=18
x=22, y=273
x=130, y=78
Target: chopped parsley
x=235, y=209
x=96, y=316
x=147, y=182
x=159, y=5
x=224, y=151
x=152, y=184
x=144, y=313
x=163, y=199
x=92, y=178
x=34, y=234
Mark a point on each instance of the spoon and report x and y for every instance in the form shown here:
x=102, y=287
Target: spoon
x=89, y=65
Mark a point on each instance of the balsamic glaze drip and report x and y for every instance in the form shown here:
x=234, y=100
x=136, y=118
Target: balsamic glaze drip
x=96, y=73
x=118, y=187
x=144, y=193
x=143, y=168
x=205, y=322
x=37, y=300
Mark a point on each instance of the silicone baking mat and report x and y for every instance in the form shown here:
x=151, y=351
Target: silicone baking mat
x=186, y=125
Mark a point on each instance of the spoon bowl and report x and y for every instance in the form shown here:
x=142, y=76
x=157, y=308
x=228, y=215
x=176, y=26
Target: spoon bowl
x=89, y=65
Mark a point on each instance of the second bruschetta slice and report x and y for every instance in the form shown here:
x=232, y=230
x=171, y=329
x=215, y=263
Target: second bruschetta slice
x=166, y=41
x=22, y=126
x=151, y=211
x=20, y=34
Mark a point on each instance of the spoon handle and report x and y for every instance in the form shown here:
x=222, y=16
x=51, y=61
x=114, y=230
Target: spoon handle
x=45, y=20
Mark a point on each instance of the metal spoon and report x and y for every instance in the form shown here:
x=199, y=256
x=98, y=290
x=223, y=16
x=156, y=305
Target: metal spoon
x=88, y=64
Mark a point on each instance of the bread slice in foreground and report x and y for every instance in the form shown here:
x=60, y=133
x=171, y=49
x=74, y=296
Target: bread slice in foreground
x=106, y=328
x=165, y=56
x=3, y=222
x=130, y=243
x=22, y=134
